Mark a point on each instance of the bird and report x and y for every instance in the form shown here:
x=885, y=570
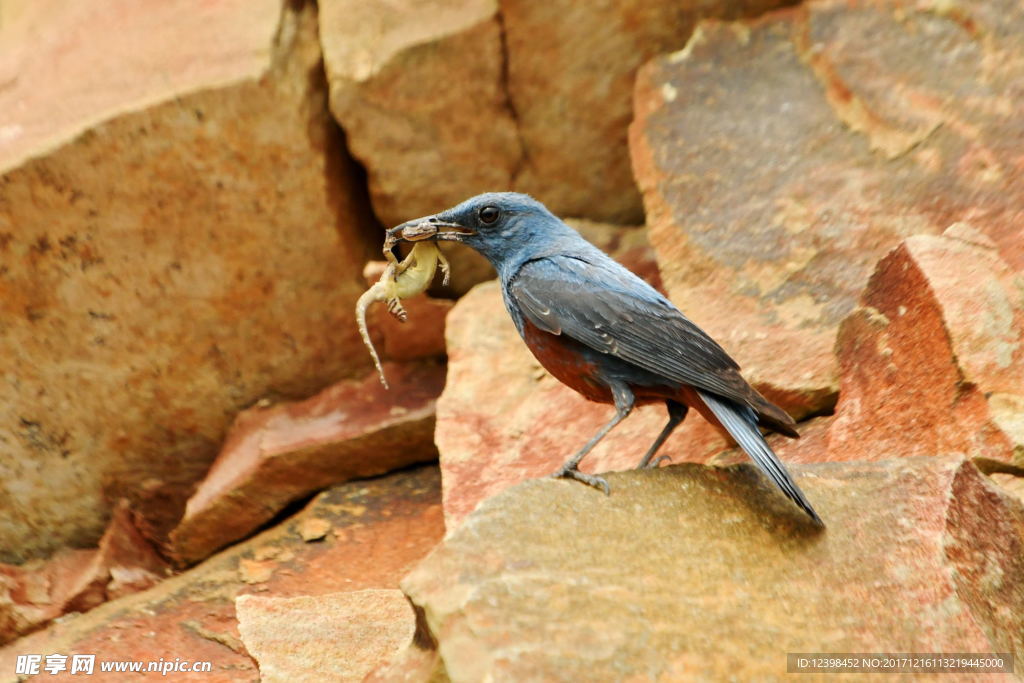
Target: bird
x=604, y=332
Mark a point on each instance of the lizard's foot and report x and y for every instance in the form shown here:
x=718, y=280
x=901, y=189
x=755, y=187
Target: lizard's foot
x=588, y=479
x=644, y=465
x=446, y=269
x=396, y=309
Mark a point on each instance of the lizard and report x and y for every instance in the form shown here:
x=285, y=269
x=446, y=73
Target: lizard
x=401, y=280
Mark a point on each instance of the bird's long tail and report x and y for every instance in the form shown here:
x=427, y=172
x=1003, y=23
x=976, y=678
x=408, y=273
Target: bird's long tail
x=741, y=423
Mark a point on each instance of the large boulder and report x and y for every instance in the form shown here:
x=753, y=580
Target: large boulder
x=696, y=572
x=353, y=537
x=181, y=234
x=780, y=158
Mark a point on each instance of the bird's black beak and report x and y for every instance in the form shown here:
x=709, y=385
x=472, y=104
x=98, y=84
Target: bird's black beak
x=427, y=228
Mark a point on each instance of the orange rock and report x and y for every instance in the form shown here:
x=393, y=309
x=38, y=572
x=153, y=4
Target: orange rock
x=934, y=360
x=180, y=235
x=276, y=455
x=34, y=594
x=382, y=527
x=780, y=158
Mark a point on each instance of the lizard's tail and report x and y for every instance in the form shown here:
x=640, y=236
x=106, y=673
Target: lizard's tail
x=368, y=297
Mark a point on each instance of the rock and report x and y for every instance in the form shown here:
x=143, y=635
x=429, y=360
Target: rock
x=418, y=89
x=314, y=529
x=570, y=73
x=444, y=100
x=780, y=158
x=277, y=455
x=933, y=361
x=695, y=572
x=381, y=528
x=180, y=235
x=34, y=594
x=400, y=78
x=627, y=245
x=337, y=636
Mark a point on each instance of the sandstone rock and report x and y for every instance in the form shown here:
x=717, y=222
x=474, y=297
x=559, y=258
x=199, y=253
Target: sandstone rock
x=779, y=159
x=570, y=72
x=381, y=528
x=443, y=100
x=417, y=86
x=336, y=636
x=934, y=360
x=314, y=529
x=694, y=572
x=180, y=235
x=627, y=245
x=37, y=592
x=276, y=455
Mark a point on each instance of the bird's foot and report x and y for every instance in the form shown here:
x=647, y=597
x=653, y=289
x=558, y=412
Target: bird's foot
x=588, y=479
x=645, y=465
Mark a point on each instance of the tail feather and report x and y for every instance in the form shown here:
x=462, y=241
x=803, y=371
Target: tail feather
x=741, y=423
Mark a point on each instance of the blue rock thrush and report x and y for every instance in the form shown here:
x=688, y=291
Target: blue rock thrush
x=609, y=335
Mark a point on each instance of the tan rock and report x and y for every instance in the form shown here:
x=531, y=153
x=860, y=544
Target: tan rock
x=933, y=362
x=444, y=99
x=314, y=529
x=382, y=527
x=694, y=572
x=571, y=67
x=779, y=159
x=417, y=86
x=276, y=455
x=180, y=234
x=336, y=636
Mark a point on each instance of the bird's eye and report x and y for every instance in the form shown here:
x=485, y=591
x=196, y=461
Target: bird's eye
x=489, y=214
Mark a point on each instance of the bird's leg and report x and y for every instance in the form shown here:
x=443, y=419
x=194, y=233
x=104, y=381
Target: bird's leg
x=676, y=414
x=624, y=400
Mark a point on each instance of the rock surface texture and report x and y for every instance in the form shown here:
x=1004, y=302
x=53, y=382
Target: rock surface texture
x=933, y=360
x=780, y=158
x=177, y=239
x=491, y=95
x=332, y=637
x=378, y=530
x=831, y=190
x=274, y=456
x=696, y=572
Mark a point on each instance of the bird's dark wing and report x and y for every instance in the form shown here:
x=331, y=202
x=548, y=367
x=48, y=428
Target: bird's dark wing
x=594, y=300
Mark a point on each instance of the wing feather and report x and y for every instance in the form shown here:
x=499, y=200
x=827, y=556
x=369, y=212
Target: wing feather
x=601, y=304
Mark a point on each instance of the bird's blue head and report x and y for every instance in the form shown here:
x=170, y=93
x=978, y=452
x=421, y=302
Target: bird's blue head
x=508, y=228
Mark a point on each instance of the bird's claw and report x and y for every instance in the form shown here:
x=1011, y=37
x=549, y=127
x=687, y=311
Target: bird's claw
x=588, y=479
x=654, y=465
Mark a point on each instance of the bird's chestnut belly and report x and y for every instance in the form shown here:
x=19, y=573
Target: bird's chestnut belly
x=567, y=361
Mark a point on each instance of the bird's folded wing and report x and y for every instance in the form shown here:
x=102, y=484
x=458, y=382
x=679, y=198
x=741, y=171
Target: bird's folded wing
x=611, y=310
